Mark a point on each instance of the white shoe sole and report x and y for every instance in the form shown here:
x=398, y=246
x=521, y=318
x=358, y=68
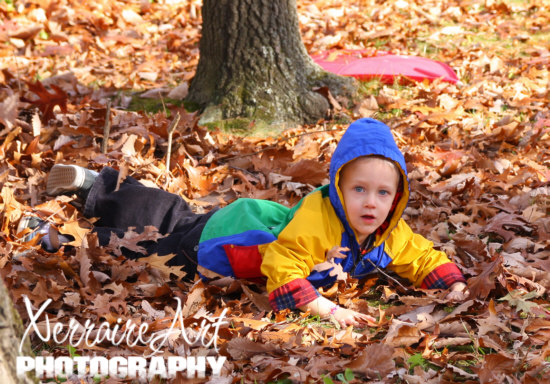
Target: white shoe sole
x=64, y=178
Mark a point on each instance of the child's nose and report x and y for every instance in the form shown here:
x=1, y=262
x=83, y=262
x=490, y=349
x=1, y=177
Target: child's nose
x=370, y=200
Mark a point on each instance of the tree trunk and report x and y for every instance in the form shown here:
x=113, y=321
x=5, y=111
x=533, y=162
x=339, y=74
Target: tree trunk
x=11, y=332
x=253, y=64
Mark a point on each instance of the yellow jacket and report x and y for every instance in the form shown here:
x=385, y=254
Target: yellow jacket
x=253, y=238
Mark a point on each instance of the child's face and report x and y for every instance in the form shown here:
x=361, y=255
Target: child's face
x=368, y=186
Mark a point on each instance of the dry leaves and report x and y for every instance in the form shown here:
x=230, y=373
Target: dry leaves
x=477, y=153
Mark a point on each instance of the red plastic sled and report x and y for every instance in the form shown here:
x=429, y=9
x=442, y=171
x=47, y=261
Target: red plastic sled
x=362, y=65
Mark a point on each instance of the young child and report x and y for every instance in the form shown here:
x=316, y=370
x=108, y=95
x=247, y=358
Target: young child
x=356, y=218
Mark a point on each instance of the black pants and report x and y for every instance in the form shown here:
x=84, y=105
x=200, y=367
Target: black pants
x=138, y=206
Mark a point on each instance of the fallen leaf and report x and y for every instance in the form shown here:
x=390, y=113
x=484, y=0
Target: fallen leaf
x=374, y=361
x=9, y=110
x=402, y=334
x=241, y=348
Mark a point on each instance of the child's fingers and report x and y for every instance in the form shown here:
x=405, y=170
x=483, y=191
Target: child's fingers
x=349, y=317
x=349, y=322
x=456, y=296
x=346, y=317
x=366, y=319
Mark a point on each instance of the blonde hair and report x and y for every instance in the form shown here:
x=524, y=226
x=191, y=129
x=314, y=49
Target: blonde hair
x=380, y=157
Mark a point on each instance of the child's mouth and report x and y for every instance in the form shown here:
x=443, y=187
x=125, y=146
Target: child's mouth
x=368, y=217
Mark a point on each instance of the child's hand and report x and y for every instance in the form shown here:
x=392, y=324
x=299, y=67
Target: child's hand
x=458, y=292
x=347, y=317
x=324, y=307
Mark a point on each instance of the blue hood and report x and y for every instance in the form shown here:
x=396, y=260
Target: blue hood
x=362, y=138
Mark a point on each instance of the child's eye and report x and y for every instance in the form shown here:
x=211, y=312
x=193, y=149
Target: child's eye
x=359, y=189
x=384, y=192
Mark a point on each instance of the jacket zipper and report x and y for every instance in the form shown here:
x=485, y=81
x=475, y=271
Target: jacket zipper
x=358, y=256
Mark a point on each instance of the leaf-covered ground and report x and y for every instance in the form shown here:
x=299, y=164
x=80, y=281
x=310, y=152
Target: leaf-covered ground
x=477, y=153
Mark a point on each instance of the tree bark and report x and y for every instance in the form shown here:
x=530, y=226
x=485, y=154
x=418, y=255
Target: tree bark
x=253, y=64
x=11, y=332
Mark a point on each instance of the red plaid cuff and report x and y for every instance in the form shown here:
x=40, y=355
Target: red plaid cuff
x=443, y=277
x=293, y=295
